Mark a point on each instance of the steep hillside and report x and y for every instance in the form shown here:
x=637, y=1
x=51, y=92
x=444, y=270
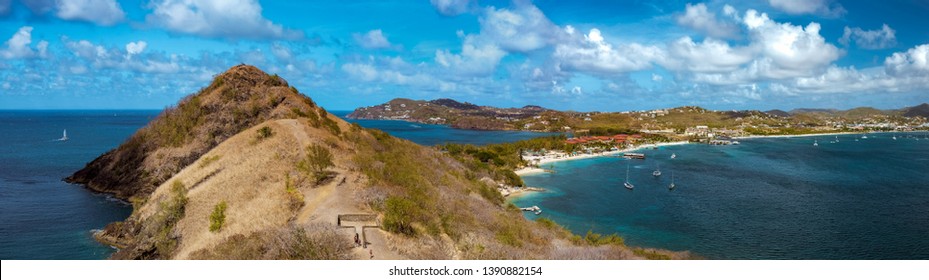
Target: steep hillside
x=921, y=110
x=275, y=190
x=238, y=99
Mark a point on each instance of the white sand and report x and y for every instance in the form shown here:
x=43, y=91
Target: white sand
x=534, y=170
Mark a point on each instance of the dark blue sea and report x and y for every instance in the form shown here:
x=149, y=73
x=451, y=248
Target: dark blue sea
x=42, y=217
x=768, y=198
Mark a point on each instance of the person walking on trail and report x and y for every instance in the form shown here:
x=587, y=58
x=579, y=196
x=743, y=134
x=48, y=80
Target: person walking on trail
x=372, y=253
x=357, y=240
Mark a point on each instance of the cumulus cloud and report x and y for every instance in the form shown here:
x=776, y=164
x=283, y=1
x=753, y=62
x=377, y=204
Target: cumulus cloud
x=818, y=7
x=707, y=56
x=701, y=19
x=591, y=53
x=128, y=58
x=19, y=45
x=134, y=48
x=374, y=39
x=914, y=61
x=521, y=29
x=870, y=39
x=476, y=58
x=101, y=12
x=790, y=50
x=452, y=7
x=232, y=19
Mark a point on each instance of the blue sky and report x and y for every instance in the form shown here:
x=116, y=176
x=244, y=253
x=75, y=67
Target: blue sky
x=567, y=55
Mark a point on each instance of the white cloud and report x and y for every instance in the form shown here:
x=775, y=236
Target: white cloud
x=591, y=53
x=101, y=12
x=123, y=59
x=18, y=46
x=233, y=19
x=913, y=61
x=282, y=53
x=577, y=90
x=452, y=7
x=790, y=50
x=819, y=7
x=700, y=19
x=476, y=58
x=374, y=39
x=134, y=48
x=707, y=56
x=870, y=39
x=521, y=29
x=656, y=77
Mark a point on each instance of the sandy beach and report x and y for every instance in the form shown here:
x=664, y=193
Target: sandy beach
x=536, y=170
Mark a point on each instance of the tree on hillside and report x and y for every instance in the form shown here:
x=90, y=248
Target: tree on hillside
x=318, y=158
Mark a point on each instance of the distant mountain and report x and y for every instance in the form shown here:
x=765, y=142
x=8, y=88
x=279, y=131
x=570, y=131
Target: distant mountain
x=921, y=110
x=811, y=110
x=457, y=114
x=455, y=104
x=779, y=113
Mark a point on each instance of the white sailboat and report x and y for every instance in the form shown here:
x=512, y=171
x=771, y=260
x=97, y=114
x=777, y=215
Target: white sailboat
x=671, y=186
x=657, y=171
x=627, y=184
x=673, y=155
x=837, y=139
x=64, y=136
x=815, y=143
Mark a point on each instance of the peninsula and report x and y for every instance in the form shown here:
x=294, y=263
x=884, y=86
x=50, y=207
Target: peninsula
x=250, y=168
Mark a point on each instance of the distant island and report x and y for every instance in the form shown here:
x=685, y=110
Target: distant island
x=678, y=123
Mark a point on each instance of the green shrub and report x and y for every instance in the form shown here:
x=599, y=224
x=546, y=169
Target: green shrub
x=171, y=211
x=208, y=160
x=400, y=214
x=296, y=197
x=218, y=217
x=265, y=132
x=317, y=160
x=650, y=254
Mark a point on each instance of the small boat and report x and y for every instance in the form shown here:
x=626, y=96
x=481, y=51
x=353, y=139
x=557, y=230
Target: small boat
x=671, y=186
x=64, y=135
x=837, y=139
x=864, y=137
x=627, y=184
x=673, y=155
x=815, y=143
x=657, y=171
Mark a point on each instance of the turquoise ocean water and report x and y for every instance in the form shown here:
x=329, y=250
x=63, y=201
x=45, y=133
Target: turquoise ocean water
x=769, y=198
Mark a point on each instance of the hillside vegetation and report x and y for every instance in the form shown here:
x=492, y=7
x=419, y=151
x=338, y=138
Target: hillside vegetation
x=274, y=190
x=236, y=100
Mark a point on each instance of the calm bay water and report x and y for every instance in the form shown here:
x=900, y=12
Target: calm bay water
x=431, y=134
x=773, y=198
x=42, y=217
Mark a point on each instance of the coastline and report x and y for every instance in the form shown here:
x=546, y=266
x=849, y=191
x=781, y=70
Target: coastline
x=799, y=135
x=535, y=170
